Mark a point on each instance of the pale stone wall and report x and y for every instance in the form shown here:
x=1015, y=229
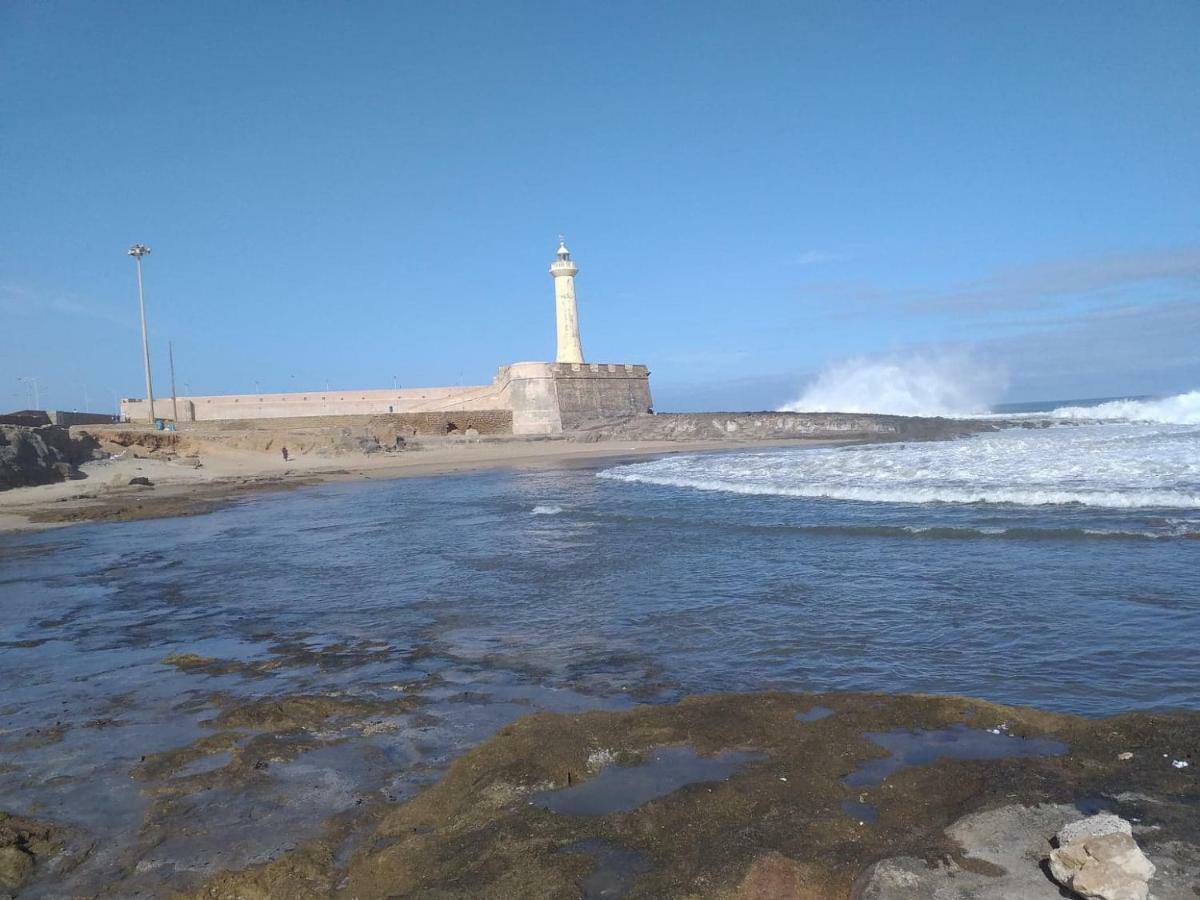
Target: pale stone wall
x=596, y=391
x=549, y=397
x=532, y=397
x=320, y=403
x=542, y=398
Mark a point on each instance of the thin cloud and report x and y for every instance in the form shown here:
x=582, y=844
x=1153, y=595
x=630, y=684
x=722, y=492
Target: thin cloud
x=1031, y=285
x=21, y=301
x=1096, y=280
x=817, y=257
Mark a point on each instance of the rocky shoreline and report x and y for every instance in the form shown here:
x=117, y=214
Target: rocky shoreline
x=729, y=797
x=43, y=454
x=131, y=472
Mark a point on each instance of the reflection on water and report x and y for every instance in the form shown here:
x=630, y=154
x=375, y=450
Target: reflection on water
x=919, y=748
x=622, y=788
x=615, y=869
x=449, y=589
x=816, y=714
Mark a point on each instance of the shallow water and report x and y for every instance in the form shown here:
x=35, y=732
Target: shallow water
x=919, y=748
x=816, y=714
x=622, y=788
x=863, y=812
x=544, y=590
x=614, y=871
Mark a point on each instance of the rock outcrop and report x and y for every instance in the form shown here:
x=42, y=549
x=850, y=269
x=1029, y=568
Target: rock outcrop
x=1098, y=859
x=24, y=844
x=30, y=456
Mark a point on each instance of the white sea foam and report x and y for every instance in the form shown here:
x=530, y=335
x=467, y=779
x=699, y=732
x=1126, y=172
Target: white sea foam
x=1122, y=466
x=545, y=510
x=947, y=384
x=1182, y=409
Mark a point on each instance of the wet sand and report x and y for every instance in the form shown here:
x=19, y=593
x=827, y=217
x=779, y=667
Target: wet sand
x=225, y=475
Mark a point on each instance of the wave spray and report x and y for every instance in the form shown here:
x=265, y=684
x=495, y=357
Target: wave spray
x=945, y=384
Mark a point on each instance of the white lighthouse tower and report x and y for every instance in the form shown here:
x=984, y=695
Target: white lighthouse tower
x=564, y=270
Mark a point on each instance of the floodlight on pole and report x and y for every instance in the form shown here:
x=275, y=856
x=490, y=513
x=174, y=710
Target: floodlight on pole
x=137, y=251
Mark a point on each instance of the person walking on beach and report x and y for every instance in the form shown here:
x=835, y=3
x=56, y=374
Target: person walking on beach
x=285, y=455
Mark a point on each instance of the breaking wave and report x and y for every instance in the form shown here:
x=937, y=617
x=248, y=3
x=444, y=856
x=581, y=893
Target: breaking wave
x=1123, y=466
x=952, y=385
x=545, y=510
x=1182, y=409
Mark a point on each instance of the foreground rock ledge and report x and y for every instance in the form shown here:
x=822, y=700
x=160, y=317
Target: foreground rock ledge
x=778, y=827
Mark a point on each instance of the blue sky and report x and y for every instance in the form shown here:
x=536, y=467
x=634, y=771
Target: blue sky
x=359, y=192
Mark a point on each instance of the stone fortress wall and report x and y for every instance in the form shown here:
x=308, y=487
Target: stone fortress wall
x=538, y=398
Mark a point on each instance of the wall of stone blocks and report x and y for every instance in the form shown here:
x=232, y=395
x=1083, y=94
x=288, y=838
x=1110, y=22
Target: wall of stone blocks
x=320, y=403
x=591, y=392
x=537, y=397
x=483, y=421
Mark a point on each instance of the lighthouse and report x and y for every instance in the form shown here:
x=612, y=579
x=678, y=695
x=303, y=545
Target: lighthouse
x=564, y=270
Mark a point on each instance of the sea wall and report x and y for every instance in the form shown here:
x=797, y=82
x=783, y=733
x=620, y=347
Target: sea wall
x=548, y=398
x=317, y=403
x=538, y=398
x=598, y=391
x=781, y=425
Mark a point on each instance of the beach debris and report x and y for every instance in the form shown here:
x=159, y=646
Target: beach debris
x=1125, y=756
x=1098, y=859
x=142, y=480
x=1179, y=763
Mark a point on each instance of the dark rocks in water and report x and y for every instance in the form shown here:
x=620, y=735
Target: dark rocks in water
x=24, y=844
x=142, y=480
x=615, y=869
x=775, y=827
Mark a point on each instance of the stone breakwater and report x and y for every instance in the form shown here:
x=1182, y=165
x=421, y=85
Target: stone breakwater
x=770, y=426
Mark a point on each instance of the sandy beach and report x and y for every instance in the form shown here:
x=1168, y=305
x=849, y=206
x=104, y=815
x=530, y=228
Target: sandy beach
x=181, y=487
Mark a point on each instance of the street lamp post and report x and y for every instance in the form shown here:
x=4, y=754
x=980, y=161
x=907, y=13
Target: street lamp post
x=137, y=251
x=174, y=398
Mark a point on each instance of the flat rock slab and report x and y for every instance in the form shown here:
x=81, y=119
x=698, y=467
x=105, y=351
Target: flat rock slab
x=775, y=828
x=1010, y=844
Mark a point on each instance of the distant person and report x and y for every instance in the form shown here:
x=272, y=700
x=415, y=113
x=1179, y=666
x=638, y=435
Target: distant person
x=285, y=454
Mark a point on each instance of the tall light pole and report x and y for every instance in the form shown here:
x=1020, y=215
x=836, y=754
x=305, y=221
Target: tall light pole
x=174, y=398
x=137, y=251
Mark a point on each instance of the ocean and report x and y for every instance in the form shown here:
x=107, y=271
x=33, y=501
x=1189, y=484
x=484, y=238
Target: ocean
x=1057, y=567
